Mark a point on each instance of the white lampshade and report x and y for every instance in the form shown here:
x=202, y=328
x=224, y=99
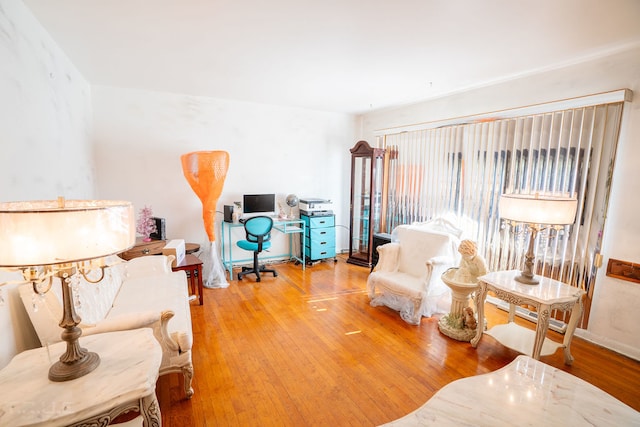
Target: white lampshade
x=48, y=232
x=538, y=209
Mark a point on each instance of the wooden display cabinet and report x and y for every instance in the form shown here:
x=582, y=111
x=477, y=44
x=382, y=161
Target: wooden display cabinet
x=366, y=207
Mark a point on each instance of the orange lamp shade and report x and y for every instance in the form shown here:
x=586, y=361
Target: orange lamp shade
x=205, y=171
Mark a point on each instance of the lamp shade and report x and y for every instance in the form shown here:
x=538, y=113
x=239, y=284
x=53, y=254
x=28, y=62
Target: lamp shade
x=537, y=209
x=59, y=231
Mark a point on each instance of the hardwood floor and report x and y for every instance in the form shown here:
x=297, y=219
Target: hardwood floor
x=307, y=349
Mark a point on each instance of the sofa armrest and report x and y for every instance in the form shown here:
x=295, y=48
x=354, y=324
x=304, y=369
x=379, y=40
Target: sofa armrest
x=388, y=260
x=122, y=323
x=151, y=319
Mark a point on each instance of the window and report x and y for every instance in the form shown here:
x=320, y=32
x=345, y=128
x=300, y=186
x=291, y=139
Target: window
x=459, y=171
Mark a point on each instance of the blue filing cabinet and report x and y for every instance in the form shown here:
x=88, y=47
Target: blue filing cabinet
x=319, y=237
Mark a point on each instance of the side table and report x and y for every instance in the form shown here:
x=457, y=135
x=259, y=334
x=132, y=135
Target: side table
x=153, y=247
x=124, y=381
x=192, y=266
x=546, y=296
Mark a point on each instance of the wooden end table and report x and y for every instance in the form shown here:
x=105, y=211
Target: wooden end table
x=125, y=380
x=192, y=265
x=546, y=296
x=153, y=247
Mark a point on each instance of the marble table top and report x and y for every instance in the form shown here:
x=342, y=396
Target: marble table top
x=548, y=291
x=128, y=370
x=526, y=392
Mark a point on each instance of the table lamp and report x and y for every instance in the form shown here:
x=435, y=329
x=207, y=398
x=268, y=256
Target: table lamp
x=537, y=212
x=59, y=238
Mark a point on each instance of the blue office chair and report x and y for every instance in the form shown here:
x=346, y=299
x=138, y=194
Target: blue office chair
x=258, y=230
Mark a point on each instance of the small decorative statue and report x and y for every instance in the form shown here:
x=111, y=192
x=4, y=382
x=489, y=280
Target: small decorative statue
x=469, y=319
x=472, y=265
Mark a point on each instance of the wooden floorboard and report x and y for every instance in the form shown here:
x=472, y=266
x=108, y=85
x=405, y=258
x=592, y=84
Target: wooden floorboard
x=307, y=349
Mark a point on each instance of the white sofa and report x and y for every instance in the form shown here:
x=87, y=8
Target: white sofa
x=142, y=292
x=407, y=276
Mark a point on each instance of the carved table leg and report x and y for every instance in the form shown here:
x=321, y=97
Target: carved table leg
x=576, y=314
x=482, y=295
x=541, y=330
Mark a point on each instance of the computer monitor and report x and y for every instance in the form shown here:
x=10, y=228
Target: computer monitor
x=258, y=204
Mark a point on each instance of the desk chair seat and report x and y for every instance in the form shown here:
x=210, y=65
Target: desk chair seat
x=258, y=236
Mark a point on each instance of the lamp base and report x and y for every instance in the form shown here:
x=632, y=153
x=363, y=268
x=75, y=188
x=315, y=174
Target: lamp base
x=63, y=371
x=527, y=280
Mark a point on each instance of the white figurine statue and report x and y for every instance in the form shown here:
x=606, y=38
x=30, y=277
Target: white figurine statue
x=472, y=265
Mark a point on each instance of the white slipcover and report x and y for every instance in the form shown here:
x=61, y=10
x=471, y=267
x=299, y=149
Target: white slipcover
x=407, y=276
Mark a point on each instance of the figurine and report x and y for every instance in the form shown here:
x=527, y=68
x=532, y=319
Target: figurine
x=469, y=319
x=472, y=265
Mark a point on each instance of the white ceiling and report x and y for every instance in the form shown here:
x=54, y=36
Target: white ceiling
x=335, y=55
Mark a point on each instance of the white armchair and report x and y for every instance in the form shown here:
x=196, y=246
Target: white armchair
x=407, y=276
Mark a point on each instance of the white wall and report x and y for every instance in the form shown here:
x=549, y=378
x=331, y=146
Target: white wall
x=140, y=136
x=45, y=122
x=614, y=316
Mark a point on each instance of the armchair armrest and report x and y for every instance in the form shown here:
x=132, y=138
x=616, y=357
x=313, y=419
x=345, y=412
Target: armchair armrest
x=441, y=260
x=437, y=265
x=388, y=260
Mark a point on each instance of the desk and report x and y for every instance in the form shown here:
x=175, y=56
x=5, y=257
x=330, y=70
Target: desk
x=546, y=296
x=125, y=380
x=525, y=391
x=288, y=227
x=192, y=265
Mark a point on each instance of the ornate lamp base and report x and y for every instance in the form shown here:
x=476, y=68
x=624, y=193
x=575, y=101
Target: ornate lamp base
x=522, y=278
x=61, y=371
x=76, y=361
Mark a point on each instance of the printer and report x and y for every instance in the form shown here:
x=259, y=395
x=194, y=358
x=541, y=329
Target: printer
x=316, y=207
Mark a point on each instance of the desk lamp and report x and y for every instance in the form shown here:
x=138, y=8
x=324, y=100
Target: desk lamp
x=59, y=238
x=538, y=213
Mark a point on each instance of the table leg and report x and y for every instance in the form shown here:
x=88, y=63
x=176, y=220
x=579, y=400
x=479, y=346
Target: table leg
x=150, y=411
x=541, y=330
x=512, y=312
x=192, y=280
x=482, y=295
x=198, y=272
x=576, y=314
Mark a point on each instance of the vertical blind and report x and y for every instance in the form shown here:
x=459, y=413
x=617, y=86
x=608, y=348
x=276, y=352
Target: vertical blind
x=459, y=171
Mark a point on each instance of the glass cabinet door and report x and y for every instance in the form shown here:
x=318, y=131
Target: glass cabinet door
x=366, y=179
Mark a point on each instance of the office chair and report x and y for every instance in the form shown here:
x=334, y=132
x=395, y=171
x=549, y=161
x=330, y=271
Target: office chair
x=258, y=231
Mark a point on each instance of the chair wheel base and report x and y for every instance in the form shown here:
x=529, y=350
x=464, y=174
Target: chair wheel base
x=261, y=270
